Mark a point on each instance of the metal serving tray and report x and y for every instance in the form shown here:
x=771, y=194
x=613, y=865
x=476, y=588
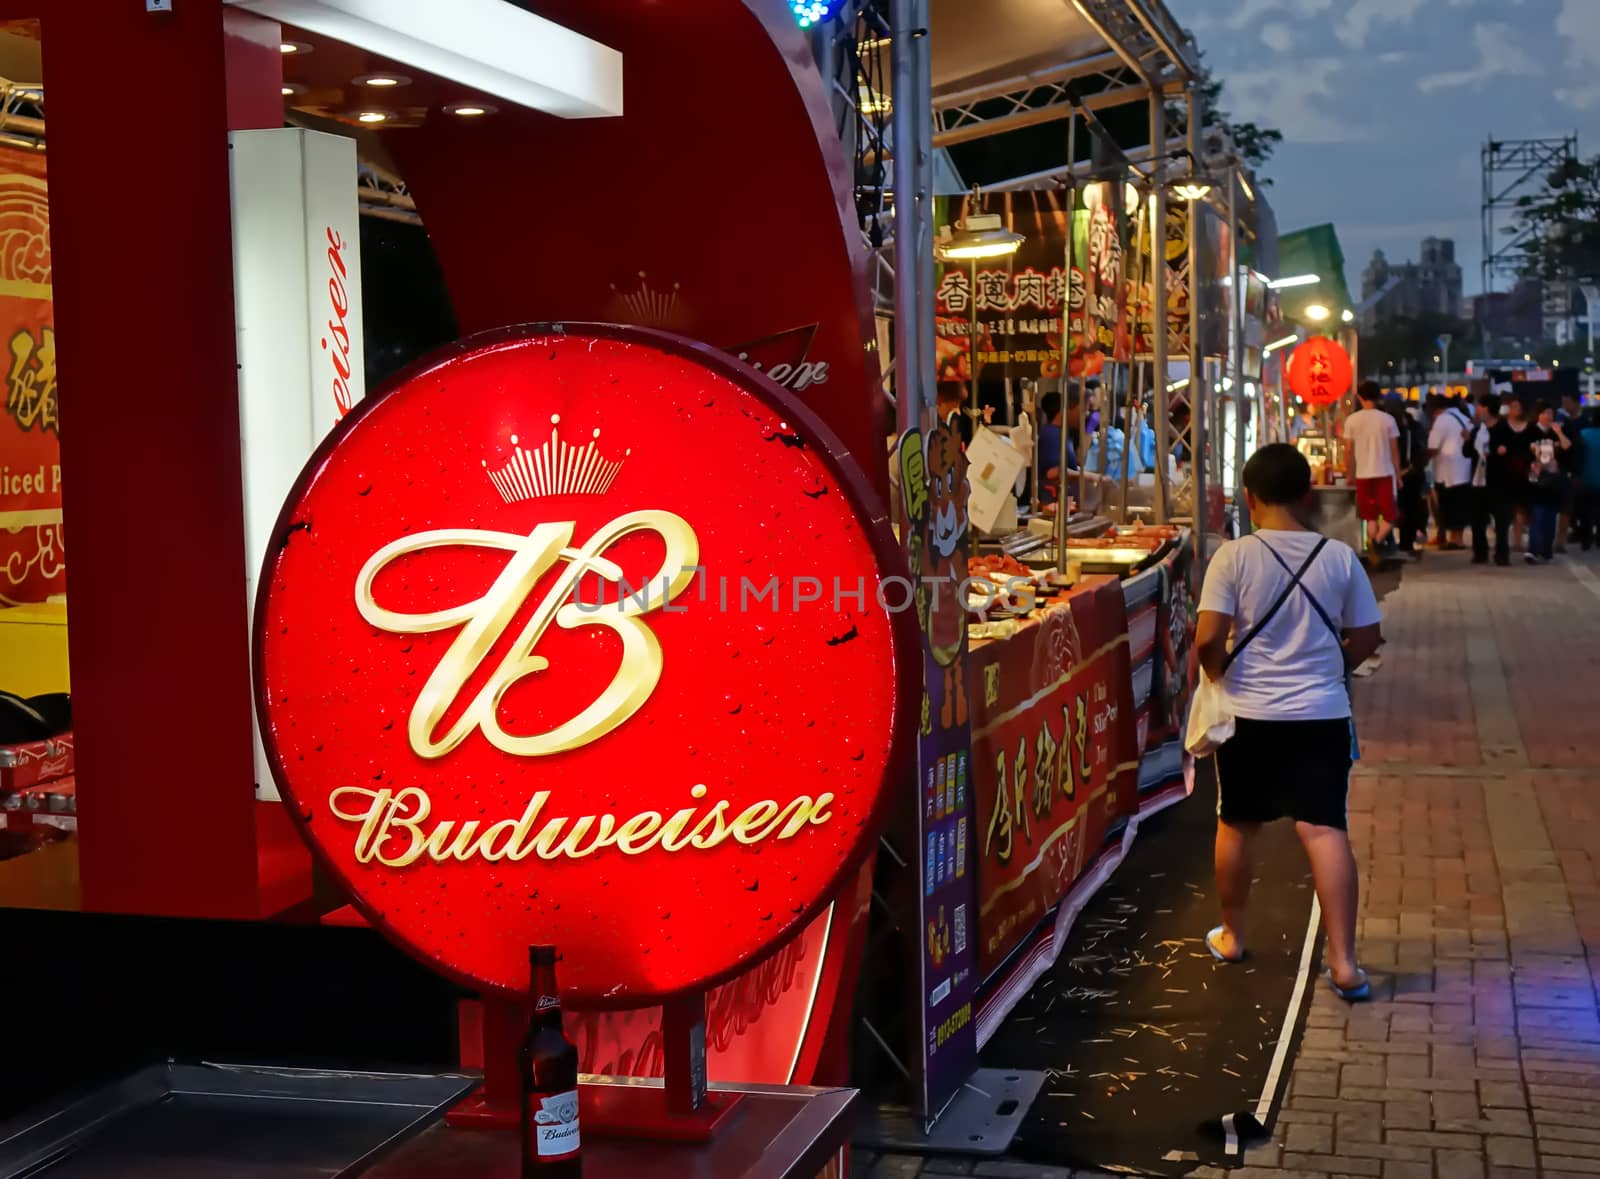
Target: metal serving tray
x=185, y=1121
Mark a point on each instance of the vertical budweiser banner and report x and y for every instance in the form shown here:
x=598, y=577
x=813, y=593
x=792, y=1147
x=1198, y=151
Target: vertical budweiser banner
x=32, y=546
x=1175, y=250
x=1019, y=301
x=1056, y=759
x=933, y=482
x=1174, y=636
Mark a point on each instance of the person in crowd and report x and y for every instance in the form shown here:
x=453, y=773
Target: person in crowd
x=949, y=403
x=1510, y=456
x=1412, y=501
x=1584, y=430
x=1304, y=422
x=1373, y=441
x=1548, y=473
x=1452, y=471
x=1050, y=448
x=1302, y=614
x=1572, y=415
x=1480, y=502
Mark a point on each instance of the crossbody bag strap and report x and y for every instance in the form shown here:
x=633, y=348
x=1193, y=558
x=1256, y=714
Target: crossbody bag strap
x=1310, y=597
x=1294, y=580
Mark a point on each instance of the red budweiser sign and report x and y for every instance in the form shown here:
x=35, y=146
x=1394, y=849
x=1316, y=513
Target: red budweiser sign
x=572, y=636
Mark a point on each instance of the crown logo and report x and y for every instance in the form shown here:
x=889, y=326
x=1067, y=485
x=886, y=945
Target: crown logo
x=556, y=468
x=649, y=307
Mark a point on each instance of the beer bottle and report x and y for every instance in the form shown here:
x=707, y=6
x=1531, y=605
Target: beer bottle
x=549, y=1070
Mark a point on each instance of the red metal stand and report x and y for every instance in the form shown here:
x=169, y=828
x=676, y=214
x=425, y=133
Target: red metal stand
x=680, y=1109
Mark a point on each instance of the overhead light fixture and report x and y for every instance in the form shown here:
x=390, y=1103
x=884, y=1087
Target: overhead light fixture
x=1191, y=190
x=470, y=110
x=871, y=102
x=1347, y=315
x=1296, y=280
x=1244, y=183
x=981, y=236
x=484, y=46
x=382, y=81
x=286, y=90
x=372, y=117
x=288, y=47
x=1317, y=312
x=1283, y=343
x=1180, y=383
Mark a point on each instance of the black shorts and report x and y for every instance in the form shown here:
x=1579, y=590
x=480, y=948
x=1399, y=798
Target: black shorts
x=1455, y=507
x=1298, y=770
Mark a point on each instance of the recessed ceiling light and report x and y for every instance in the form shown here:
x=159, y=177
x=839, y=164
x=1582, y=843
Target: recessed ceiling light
x=469, y=110
x=382, y=80
x=372, y=117
x=288, y=47
x=286, y=91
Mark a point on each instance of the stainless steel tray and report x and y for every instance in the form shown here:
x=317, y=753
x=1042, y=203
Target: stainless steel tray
x=180, y=1121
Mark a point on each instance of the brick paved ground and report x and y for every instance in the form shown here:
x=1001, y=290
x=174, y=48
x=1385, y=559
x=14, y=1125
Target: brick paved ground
x=1476, y=817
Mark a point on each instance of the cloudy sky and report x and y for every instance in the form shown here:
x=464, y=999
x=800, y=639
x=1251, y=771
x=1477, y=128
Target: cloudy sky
x=1385, y=104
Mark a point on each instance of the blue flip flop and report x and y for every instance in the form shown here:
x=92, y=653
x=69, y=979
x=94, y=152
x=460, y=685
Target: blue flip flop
x=1218, y=954
x=1356, y=994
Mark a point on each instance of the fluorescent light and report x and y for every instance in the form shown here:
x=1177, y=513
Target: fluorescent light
x=1297, y=280
x=1245, y=184
x=486, y=45
x=1283, y=343
x=1317, y=312
x=372, y=117
x=1180, y=383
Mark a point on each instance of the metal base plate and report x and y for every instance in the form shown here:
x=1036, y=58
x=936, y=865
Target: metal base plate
x=982, y=1119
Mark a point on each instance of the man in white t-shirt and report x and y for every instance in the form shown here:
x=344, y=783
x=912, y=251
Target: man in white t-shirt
x=1452, y=469
x=1301, y=612
x=1373, y=464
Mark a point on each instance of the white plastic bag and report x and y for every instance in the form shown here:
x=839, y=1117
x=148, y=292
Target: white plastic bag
x=1210, y=722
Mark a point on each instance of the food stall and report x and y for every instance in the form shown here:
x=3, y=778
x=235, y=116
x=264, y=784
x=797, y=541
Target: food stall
x=1077, y=701
x=199, y=848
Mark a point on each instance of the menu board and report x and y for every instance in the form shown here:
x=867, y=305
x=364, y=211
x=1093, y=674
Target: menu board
x=32, y=547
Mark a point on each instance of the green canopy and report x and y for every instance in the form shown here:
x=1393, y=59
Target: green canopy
x=1313, y=251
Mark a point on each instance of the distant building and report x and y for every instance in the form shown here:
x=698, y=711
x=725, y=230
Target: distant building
x=1527, y=314
x=1431, y=286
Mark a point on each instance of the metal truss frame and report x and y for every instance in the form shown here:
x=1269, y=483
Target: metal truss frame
x=382, y=194
x=1526, y=162
x=22, y=114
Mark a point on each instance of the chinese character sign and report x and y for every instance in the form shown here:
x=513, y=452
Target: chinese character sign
x=1055, y=762
x=32, y=553
x=1018, y=301
x=1320, y=371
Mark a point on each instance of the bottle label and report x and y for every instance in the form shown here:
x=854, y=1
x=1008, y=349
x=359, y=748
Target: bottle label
x=545, y=1003
x=553, y=1124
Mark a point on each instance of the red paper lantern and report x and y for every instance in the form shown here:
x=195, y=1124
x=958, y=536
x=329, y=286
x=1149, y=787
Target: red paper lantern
x=1320, y=371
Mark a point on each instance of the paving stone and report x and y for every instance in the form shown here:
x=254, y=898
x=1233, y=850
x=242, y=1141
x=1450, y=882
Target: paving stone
x=896, y=1166
x=1013, y=1170
x=1510, y=1152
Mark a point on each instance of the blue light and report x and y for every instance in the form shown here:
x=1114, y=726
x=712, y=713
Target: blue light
x=811, y=12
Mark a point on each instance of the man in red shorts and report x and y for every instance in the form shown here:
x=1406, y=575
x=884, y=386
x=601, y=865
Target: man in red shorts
x=1372, y=443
